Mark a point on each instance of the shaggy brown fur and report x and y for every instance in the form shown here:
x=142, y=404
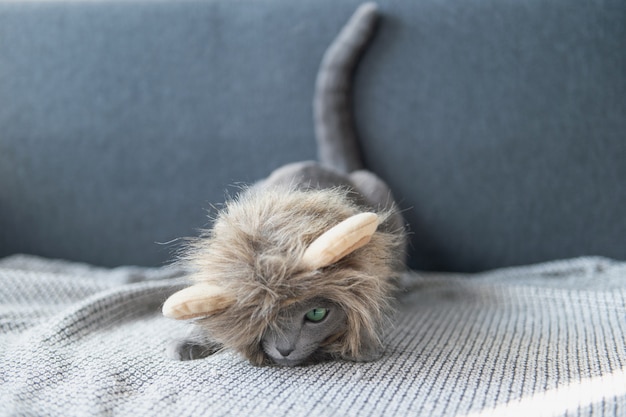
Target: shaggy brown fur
x=254, y=253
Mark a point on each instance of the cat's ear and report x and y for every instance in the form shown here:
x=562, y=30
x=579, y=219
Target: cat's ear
x=199, y=300
x=340, y=240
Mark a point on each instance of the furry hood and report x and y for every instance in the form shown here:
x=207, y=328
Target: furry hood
x=254, y=253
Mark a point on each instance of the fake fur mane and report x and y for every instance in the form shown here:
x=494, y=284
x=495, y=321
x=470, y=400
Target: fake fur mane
x=253, y=256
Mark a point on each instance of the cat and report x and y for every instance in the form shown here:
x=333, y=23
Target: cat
x=299, y=267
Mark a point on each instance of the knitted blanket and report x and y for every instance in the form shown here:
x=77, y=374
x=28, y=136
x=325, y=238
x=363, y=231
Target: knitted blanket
x=546, y=339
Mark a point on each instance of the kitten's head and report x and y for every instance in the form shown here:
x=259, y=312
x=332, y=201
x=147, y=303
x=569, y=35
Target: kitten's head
x=304, y=332
x=274, y=305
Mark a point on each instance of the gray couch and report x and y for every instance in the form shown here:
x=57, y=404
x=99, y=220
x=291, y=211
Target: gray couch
x=499, y=124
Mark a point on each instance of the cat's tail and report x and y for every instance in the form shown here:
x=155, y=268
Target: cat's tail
x=335, y=130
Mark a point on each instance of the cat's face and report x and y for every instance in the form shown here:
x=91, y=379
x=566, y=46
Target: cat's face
x=302, y=331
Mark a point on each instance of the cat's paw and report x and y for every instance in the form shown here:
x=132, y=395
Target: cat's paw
x=188, y=350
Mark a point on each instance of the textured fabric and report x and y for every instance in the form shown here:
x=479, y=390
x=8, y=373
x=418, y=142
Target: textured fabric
x=499, y=124
x=547, y=339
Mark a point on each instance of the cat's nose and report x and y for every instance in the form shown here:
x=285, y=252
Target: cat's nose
x=285, y=351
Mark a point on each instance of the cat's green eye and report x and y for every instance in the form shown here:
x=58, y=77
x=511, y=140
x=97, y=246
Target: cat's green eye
x=317, y=314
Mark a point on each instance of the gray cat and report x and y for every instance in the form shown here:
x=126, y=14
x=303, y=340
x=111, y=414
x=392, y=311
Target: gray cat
x=299, y=268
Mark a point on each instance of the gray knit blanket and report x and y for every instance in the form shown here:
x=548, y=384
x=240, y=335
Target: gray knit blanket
x=542, y=340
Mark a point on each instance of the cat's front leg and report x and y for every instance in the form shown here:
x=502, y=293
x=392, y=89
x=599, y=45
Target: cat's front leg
x=195, y=346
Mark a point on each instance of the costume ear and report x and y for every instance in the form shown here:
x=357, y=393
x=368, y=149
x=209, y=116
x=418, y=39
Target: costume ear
x=199, y=300
x=340, y=240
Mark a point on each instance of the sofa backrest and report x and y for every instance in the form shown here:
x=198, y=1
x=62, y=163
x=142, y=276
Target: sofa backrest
x=498, y=123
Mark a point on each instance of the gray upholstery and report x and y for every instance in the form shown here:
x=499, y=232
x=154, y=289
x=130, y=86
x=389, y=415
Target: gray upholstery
x=498, y=123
